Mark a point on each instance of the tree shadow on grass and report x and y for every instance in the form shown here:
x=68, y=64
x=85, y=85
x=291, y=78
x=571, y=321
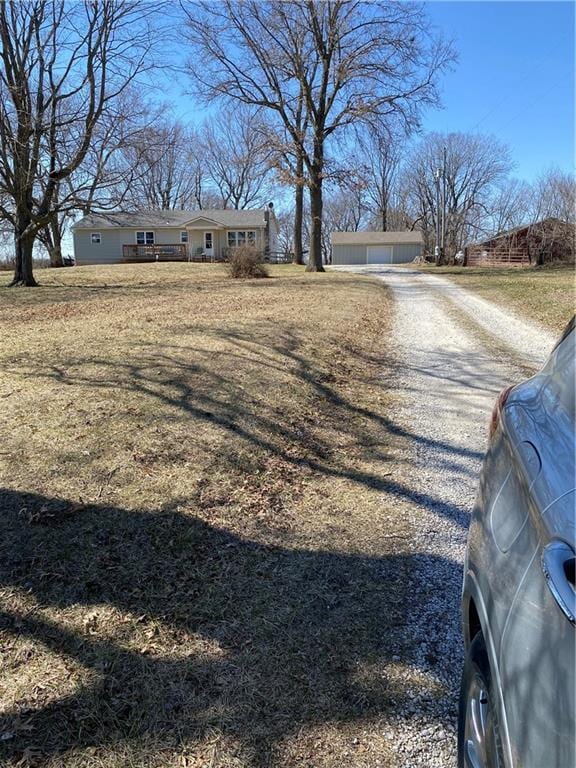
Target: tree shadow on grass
x=192, y=629
x=203, y=385
x=211, y=632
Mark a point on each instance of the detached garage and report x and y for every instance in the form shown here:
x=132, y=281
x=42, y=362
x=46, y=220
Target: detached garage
x=376, y=247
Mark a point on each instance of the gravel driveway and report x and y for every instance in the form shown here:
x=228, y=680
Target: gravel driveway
x=456, y=352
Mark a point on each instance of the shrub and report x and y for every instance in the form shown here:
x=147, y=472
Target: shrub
x=245, y=262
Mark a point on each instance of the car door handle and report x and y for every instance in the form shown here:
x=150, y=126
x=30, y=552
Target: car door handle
x=558, y=562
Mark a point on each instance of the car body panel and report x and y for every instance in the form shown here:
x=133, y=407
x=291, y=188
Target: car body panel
x=537, y=675
x=473, y=594
x=560, y=518
x=525, y=503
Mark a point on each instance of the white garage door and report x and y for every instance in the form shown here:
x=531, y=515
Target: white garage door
x=379, y=254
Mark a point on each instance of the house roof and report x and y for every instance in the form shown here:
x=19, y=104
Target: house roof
x=533, y=227
x=377, y=238
x=162, y=219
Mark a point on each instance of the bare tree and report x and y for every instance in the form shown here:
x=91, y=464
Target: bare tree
x=344, y=210
x=171, y=175
x=224, y=164
x=285, y=221
x=350, y=60
x=62, y=66
x=51, y=236
x=108, y=172
x=554, y=196
x=382, y=150
x=474, y=166
x=288, y=160
x=509, y=206
x=552, y=216
x=237, y=157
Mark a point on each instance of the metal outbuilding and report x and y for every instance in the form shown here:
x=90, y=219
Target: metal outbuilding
x=376, y=247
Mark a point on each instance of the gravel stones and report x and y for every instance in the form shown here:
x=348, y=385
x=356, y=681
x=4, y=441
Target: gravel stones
x=448, y=377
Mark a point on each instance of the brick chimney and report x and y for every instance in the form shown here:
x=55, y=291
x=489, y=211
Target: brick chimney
x=267, y=211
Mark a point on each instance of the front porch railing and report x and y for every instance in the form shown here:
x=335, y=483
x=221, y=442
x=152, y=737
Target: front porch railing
x=156, y=252
x=218, y=256
x=179, y=252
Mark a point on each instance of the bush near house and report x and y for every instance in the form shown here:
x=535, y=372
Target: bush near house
x=244, y=262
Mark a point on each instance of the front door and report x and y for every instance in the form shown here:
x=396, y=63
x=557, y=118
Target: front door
x=209, y=244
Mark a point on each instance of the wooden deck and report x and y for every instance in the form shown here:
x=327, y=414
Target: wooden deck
x=177, y=252
x=137, y=253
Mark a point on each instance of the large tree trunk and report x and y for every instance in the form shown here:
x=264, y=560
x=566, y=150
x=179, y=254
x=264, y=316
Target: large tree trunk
x=299, y=212
x=23, y=268
x=315, y=263
x=53, y=243
x=56, y=259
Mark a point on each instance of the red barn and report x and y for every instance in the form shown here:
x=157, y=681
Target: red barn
x=543, y=242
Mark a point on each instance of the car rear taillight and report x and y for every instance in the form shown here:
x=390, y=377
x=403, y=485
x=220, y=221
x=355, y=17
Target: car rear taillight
x=496, y=413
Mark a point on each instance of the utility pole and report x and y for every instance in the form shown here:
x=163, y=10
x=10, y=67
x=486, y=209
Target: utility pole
x=440, y=210
x=443, y=237
x=437, y=249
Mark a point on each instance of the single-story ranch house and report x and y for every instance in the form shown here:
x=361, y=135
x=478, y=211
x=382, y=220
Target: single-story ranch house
x=206, y=235
x=376, y=247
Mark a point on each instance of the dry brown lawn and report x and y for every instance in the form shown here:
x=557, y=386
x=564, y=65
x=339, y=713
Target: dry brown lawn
x=542, y=294
x=203, y=551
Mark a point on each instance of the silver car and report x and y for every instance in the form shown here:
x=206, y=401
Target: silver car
x=517, y=701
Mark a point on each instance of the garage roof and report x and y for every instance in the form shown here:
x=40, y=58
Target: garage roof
x=377, y=238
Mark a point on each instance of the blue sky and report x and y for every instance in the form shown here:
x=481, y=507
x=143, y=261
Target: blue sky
x=514, y=78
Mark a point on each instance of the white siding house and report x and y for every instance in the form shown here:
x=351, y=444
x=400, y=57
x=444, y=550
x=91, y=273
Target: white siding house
x=172, y=235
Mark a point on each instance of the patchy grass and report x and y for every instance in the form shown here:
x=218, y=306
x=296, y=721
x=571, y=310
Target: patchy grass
x=203, y=551
x=543, y=294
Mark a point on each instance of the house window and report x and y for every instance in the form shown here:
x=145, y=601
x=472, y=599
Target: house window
x=241, y=237
x=183, y=236
x=95, y=238
x=144, y=238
